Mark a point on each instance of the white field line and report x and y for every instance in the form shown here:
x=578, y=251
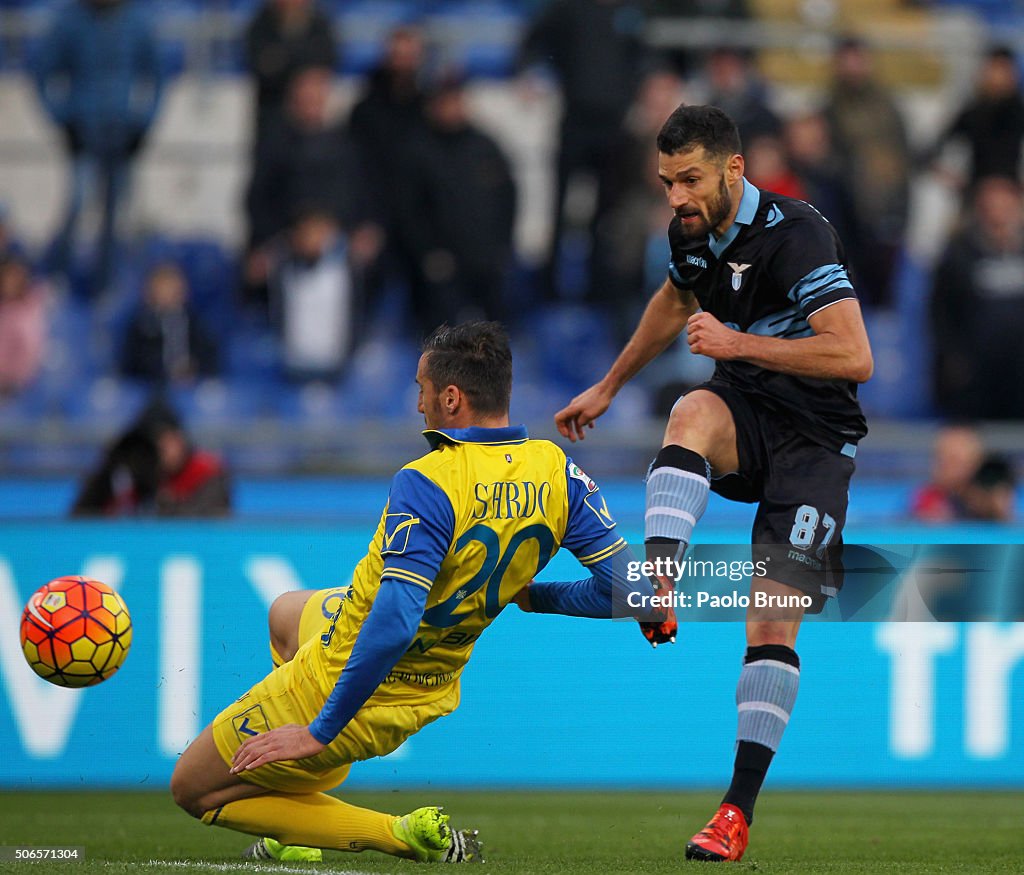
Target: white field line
x=239, y=867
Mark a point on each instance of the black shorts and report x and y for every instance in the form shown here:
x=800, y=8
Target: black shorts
x=802, y=491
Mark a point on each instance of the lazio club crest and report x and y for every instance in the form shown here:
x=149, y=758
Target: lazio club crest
x=737, y=274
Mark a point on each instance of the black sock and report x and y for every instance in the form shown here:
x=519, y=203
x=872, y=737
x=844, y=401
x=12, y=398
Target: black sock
x=752, y=761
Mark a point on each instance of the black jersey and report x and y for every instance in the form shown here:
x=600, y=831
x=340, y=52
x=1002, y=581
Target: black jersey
x=778, y=264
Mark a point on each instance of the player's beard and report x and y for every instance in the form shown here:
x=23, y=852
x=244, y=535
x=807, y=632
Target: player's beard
x=719, y=206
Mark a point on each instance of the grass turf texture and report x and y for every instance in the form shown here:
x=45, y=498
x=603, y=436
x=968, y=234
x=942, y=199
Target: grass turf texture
x=553, y=832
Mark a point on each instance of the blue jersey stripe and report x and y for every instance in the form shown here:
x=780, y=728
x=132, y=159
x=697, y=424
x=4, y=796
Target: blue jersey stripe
x=816, y=295
x=818, y=280
x=785, y=323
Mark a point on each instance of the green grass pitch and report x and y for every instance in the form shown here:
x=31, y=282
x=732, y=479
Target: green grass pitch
x=554, y=833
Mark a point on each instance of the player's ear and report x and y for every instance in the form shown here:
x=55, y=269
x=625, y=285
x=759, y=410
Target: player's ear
x=734, y=167
x=451, y=399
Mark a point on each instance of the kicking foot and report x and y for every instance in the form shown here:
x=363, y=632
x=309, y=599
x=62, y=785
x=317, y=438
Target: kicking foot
x=724, y=838
x=426, y=831
x=269, y=849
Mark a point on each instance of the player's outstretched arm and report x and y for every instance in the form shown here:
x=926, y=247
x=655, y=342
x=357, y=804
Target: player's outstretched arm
x=661, y=323
x=614, y=591
x=838, y=350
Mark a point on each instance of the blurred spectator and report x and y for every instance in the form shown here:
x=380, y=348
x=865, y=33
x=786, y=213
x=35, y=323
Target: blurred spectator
x=24, y=322
x=870, y=137
x=686, y=11
x=461, y=208
x=166, y=341
x=638, y=211
x=386, y=119
x=568, y=35
x=316, y=299
x=816, y=162
x=991, y=123
x=10, y=244
x=98, y=74
x=734, y=85
x=283, y=38
x=768, y=167
x=153, y=469
x=306, y=159
x=977, y=308
x=991, y=495
x=956, y=455
x=700, y=8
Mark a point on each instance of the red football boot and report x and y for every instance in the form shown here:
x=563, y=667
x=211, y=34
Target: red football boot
x=724, y=838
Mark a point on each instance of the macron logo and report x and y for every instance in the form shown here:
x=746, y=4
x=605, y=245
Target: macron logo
x=696, y=261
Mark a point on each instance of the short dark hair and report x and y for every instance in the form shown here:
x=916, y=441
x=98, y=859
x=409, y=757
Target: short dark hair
x=994, y=470
x=1001, y=52
x=706, y=126
x=476, y=357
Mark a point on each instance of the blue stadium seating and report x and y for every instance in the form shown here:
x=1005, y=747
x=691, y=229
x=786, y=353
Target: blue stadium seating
x=108, y=400
x=487, y=34
x=574, y=346
x=221, y=402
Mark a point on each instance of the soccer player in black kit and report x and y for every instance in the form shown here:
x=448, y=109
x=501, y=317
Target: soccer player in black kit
x=759, y=282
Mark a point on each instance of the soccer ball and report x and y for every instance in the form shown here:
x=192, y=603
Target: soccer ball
x=75, y=631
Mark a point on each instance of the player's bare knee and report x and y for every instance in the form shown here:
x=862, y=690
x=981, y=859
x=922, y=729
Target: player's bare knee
x=702, y=422
x=283, y=622
x=184, y=794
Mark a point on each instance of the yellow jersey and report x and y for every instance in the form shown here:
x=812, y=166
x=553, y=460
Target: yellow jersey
x=472, y=522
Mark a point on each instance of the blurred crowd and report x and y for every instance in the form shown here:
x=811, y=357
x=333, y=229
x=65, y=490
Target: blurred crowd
x=406, y=194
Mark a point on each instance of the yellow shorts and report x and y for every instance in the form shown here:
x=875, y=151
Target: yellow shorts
x=291, y=694
x=319, y=611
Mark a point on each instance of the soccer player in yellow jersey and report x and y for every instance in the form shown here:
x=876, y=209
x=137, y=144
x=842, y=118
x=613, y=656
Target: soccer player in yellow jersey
x=465, y=530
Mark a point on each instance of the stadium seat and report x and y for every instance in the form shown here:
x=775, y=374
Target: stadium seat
x=380, y=381
x=253, y=353
x=314, y=402
x=219, y=402
x=107, y=402
x=574, y=345
x=481, y=37
x=212, y=276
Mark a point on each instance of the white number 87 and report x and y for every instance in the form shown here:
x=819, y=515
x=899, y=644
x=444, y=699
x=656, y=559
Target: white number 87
x=806, y=524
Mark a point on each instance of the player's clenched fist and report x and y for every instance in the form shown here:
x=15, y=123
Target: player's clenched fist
x=707, y=336
x=581, y=412
x=661, y=626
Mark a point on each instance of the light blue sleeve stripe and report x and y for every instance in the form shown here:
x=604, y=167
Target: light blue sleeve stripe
x=833, y=288
x=817, y=280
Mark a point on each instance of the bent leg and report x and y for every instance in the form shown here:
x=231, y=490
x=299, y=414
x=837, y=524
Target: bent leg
x=702, y=422
x=297, y=616
x=204, y=787
x=700, y=437
x=311, y=820
x=283, y=620
x=202, y=781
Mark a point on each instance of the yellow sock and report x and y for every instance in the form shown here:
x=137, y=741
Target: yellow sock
x=313, y=820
